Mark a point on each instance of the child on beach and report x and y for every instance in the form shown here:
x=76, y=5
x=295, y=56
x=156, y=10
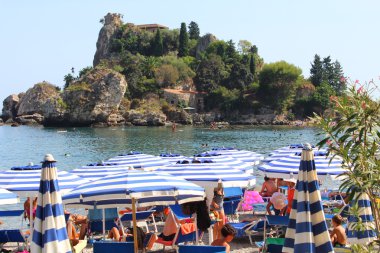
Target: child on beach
x=228, y=233
x=338, y=235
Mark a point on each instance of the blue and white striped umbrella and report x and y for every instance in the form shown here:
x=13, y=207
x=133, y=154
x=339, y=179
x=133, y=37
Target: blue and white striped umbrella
x=97, y=171
x=137, y=160
x=286, y=151
x=49, y=233
x=148, y=188
x=224, y=160
x=172, y=158
x=250, y=157
x=26, y=182
x=368, y=234
x=287, y=167
x=307, y=230
x=8, y=198
x=208, y=174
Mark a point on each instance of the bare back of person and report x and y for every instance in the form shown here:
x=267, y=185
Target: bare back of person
x=340, y=233
x=271, y=187
x=221, y=242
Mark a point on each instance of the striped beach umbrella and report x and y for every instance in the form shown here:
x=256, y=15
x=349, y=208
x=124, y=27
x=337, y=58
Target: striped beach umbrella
x=97, y=171
x=287, y=167
x=307, y=230
x=367, y=234
x=224, y=160
x=49, y=232
x=171, y=158
x=138, y=160
x=8, y=198
x=250, y=157
x=26, y=181
x=286, y=151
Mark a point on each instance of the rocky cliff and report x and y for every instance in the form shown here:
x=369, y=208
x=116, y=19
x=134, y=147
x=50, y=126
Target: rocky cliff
x=111, y=22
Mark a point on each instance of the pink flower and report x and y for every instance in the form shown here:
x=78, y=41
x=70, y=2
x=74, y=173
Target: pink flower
x=356, y=81
x=329, y=142
x=360, y=89
x=364, y=105
x=332, y=124
x=343, y=79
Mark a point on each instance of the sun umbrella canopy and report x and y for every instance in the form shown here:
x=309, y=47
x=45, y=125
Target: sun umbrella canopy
x=288, y=166
x=97, y=171
x=307, y=229
x=224, y=160
x=26, y=182
x=288, y=150
x=171, y=158
x=148, y=188
x=8, y=198
x=250, y=157
x=49, y=233
x=139, y=161
x=368, y=234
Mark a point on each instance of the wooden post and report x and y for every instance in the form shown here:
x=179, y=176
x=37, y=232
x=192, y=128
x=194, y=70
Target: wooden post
x=135, y=245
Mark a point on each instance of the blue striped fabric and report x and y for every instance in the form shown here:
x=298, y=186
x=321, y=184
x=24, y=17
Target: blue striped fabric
x=7, y=197
x=250, y=157
x=225, y=160
x=98, y=171
x=288, y=166
x=287, y=151
x=49, y=233
x=139, y=161
x=207, y=175
x=27, y=182
x=307, y=230
x=171, y=158
x=355, y=236
x=149, y=188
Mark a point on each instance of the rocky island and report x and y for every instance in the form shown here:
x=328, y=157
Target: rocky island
x=148, y=75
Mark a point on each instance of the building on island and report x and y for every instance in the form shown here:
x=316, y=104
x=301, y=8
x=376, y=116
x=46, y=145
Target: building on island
x=194, y=99
x=152, y=27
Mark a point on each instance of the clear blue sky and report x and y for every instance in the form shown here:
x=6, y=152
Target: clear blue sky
x=42, y=40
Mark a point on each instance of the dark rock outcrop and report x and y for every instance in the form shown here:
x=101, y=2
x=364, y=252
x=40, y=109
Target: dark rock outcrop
x=203, y=43
x=145, y=119
x=10, y=107
x=112, y=22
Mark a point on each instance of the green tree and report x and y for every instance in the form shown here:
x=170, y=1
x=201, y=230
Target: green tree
x=316, y=71
x=170, y=39
x=240, y=77
x=157, y=45
x=231, y=52
x=149, y=65
x=254, y=49
x=352, y=131
x=321, y=96
x=338, y=82
x=252, y=65
x=223, y=99
x=278, y=82
x=210, y=73
x=193, y=31
x=183, y=49
x=69, y=78
x=244, y=46
x=84, y=71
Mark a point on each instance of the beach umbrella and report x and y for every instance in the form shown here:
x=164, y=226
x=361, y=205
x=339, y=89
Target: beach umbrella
x=171, y=158
x=97, y=171
x=146, y=188
x=367, y=234
x=25, y=180
x=224, y=160
x=286, y=151
x=250, y=157
x=49, y=232
x=307, y=229
x=138, y=160
x=288, y=166
x=8, y=198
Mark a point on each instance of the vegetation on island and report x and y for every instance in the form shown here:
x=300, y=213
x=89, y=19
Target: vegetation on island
x=234, y=75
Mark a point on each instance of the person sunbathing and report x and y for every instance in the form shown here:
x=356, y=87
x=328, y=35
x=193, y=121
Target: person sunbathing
x=269, y=187
x=228, y=234
x=72, y=233
x=338, y=235
x=126, y=236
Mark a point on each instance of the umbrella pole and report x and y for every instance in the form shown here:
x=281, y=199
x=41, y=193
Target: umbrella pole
x=196, y=230
x=135, y=245
x=104, y=223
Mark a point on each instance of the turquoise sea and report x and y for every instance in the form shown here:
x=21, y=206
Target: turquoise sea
x=73, y=147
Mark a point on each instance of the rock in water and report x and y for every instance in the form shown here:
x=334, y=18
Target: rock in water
x=112, y=22
x=37, y=99
x=10, y=107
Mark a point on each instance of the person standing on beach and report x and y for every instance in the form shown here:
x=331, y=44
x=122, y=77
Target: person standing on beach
x=217, y=207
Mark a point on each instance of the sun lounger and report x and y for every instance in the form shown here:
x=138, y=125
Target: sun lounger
x=230, y=209
x=13, y=235
x=95, y=217
x=79, y=247
x=112, y=246
x=201, y=249
x=271, y=245
x=141, y=217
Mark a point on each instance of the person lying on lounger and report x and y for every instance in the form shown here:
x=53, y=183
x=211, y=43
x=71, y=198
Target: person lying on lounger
x=125, y=236
x=74, y=236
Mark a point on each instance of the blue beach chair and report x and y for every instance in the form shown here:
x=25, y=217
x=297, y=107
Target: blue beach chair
x=112, y=246
x=201, y=249
x=141, y=218
x=12, y=235
x=95, y=217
